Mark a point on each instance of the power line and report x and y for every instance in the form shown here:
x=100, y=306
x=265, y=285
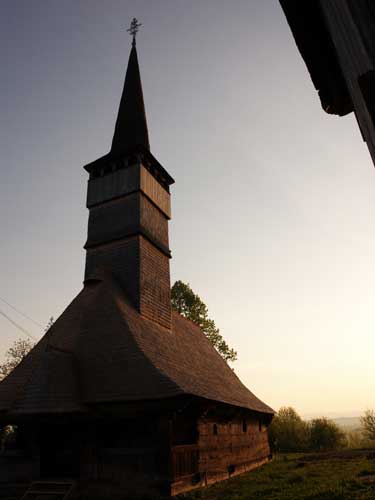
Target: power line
x=21, y=313
x=17, y=325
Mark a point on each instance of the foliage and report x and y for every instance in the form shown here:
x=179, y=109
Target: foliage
x=288, y=432
x=191, y=306
x=49, y=324
x=368, y=424
x=15, y=355
x=330, y=476
x=325, y=435
x=19, y=349
x=356, y=439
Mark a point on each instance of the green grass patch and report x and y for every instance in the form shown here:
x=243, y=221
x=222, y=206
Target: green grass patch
x=335, y=476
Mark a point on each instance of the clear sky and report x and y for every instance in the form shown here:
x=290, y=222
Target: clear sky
x=274, y=201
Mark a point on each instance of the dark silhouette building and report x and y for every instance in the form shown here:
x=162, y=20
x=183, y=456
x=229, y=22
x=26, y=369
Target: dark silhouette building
x=122, y=393
x=336, y=39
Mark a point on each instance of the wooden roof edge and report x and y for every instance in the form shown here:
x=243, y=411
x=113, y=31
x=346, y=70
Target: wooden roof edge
x=314, y=42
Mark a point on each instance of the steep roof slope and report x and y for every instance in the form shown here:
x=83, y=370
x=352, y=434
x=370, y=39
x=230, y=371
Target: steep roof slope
x=131, y=124
x=102, y=350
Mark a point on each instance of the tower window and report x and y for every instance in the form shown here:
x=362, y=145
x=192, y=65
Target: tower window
x=244, y=425
x=214, y=429
x=260, y=424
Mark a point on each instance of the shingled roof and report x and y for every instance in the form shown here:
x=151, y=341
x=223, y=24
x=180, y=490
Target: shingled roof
x=102, y=350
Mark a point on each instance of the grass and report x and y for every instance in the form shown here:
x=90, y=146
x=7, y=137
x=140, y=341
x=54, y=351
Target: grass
x=331, y=476
x=345, y=475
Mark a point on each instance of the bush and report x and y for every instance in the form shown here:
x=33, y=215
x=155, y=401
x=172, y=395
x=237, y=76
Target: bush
x=368, y=424
x=356, y=439
x=325, y=435
x=288, y=432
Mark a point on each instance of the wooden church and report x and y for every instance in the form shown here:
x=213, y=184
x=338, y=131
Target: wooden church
x=123, y=395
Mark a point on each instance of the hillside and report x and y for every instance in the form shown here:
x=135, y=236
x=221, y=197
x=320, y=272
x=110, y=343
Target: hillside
x=348, y=423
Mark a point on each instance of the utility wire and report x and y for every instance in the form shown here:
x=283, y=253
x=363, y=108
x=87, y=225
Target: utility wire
x=17, y=325
x=21, y=313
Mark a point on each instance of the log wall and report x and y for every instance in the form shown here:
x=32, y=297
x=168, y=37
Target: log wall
x=224, y=449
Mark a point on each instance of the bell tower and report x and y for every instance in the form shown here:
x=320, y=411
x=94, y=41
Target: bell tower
x=129, y=207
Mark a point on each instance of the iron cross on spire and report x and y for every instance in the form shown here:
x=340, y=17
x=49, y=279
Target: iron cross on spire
x=134, y=28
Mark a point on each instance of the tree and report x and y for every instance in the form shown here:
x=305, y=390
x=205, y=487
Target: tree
x=49, y=324
x=191, y=306
x=326, y=435
x=15, y=355
x=368, y=424
x=18, y=351
x=288, y=432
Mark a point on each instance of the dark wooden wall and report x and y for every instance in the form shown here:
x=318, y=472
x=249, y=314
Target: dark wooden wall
x=224, y=448
x=167, y=453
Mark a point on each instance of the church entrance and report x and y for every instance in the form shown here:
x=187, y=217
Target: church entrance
x=59, y=452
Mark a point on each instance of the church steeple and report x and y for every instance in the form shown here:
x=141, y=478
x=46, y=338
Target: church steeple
x=129, y=202
x=131, y=125
x=130, y=141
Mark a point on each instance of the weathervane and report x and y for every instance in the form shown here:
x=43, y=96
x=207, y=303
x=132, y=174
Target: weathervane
x=134, y=28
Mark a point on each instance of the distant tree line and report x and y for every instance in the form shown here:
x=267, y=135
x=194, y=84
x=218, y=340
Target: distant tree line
x=288, y=432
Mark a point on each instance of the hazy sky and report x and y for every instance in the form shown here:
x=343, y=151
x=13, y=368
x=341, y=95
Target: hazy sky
x=274, y=201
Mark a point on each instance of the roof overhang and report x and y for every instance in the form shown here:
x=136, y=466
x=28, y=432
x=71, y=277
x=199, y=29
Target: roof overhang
x=313, y=39
x=127, y=157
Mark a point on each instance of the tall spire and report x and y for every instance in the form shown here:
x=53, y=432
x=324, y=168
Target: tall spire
x=131, y=125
